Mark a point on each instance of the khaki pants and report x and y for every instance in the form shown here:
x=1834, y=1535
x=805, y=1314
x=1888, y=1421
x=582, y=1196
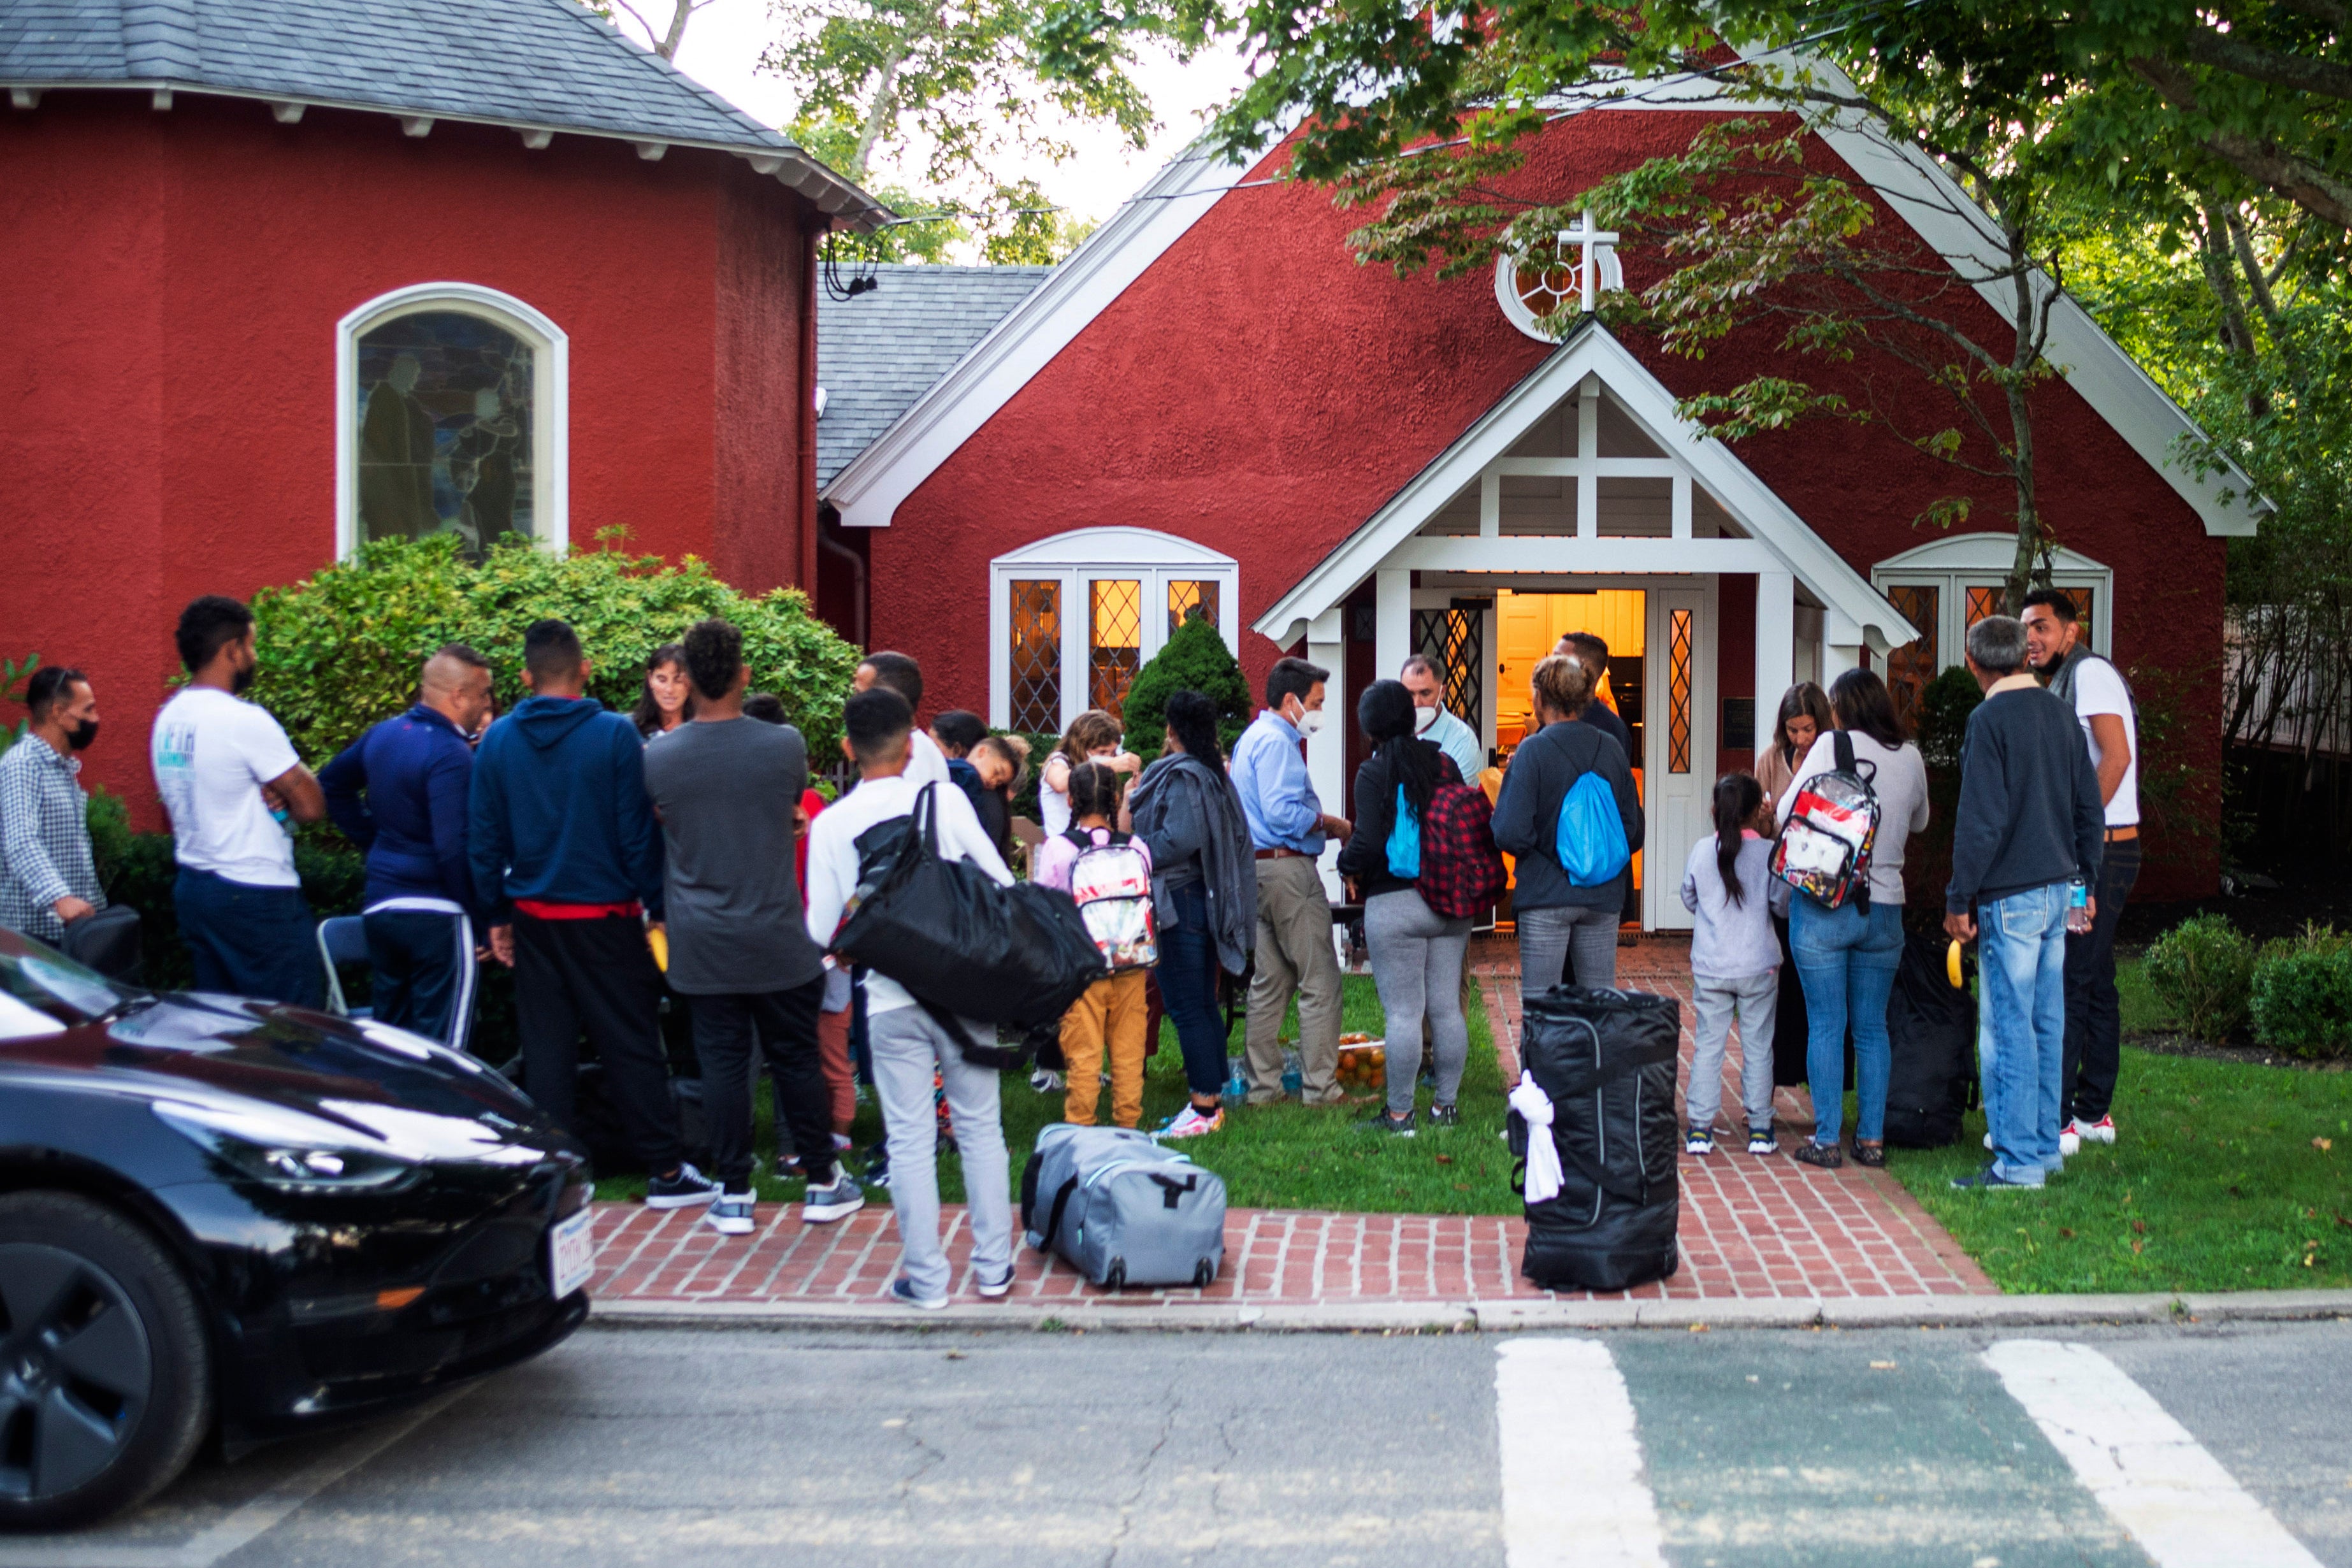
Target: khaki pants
x=1115, y=1013
x=1294, y=954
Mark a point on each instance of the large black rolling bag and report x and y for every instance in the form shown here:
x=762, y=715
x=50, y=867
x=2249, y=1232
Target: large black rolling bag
x=1931, y=1026
x=1606, y=1061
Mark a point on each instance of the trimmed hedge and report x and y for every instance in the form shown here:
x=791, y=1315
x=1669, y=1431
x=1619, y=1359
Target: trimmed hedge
x=2203, y=969
x=2301, y=998
x=1193, y=659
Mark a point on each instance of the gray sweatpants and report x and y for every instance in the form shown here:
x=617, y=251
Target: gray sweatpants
x=907, y=1045
x=1548, y=937
x=1754, y=997
x=1417, y=965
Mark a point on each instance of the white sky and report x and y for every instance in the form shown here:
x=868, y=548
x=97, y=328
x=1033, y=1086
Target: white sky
x=726, y=39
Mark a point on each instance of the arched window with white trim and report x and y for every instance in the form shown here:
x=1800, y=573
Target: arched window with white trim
x=1071, y=618
x=1949, y=585
x=453, y=419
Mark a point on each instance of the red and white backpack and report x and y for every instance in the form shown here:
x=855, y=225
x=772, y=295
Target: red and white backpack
x=1111, y=883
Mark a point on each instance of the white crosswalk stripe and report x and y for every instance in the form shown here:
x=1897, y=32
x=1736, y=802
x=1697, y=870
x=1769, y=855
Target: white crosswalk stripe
x=1573, y=1496
x=2153, y=1479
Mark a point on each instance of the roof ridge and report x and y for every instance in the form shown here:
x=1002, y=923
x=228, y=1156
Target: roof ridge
x=159, y=39
x=604, y=27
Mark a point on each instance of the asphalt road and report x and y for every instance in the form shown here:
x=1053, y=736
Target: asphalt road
x=1724, y=1449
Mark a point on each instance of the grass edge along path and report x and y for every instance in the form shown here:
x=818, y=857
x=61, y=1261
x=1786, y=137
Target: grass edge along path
x=1285, y=1155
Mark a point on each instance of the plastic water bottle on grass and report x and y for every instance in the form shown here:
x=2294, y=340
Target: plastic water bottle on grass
x=1236, y=1085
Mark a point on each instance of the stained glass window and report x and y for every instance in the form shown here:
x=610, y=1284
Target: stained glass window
x=1678, y=693
x=1183, y=593
x=1983, y=599
x=1036, y=662
x=445, y=404
x=1910, y=667
x=1114, y=641
x=1451, y=640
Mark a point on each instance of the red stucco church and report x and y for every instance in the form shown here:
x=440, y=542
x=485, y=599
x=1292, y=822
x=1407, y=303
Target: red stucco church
x=280, y=281
x=1211, y=403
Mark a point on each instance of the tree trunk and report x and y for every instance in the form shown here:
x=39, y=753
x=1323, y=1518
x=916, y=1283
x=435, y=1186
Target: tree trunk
x=667, y=48
x=2031, y=536
x=2237, y=334
x=878, y=110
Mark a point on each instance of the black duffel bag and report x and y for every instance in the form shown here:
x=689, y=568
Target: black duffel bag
x=1931, y=1026
x=108, y=942
x=964, y=945
x=1606, y=1062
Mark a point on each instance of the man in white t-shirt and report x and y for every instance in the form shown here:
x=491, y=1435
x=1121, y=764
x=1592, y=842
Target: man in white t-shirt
x=926, y=763
x=2102, y=700
x=905, y=1041
x=234, y=789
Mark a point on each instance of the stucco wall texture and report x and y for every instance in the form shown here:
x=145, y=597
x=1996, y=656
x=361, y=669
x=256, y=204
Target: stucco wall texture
x=167, y=401
x=1259, y=391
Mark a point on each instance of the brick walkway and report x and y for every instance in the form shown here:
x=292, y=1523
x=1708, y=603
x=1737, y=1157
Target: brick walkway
x=1750, y=1228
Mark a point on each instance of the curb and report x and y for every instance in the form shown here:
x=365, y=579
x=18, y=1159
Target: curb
x=1494, y=1317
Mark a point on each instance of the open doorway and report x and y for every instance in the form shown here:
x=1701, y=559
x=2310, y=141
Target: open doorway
x=1528, y=626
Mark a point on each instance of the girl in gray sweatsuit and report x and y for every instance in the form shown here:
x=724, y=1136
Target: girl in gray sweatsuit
x=1735, y=964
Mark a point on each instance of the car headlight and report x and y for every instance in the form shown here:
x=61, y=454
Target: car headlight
x=285, y=1148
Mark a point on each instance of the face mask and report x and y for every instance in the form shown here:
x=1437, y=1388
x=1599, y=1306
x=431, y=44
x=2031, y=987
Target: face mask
x=1423, y=718
x=81, y=735
x=1310, y=721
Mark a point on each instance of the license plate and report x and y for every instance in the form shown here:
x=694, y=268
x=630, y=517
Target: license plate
x=572, y=1252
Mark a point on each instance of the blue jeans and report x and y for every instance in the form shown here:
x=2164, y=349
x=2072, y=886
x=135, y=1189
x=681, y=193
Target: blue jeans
x=2021, y=1027
x=1188, y=985
x=1847, y=961
x=250, y=941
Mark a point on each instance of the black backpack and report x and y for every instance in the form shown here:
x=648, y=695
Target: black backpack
x=1932, y=1028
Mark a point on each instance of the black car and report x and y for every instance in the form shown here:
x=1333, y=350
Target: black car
x=227, y=1216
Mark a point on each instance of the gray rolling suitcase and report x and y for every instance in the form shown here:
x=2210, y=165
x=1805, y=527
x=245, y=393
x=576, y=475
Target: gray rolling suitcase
x=1121, y=1209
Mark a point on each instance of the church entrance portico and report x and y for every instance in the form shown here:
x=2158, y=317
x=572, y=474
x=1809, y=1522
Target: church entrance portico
x=1582, y=497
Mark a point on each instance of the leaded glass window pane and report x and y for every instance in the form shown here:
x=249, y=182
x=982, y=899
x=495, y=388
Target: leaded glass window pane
x=1036, y=656
x=446, y=402
x=1114, y=641
x=1910, y=667
x=1678, y=693
x=1185, y=593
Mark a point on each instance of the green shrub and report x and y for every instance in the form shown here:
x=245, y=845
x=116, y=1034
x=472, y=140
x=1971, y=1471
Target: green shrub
x=2301, y=997
x=1193, y=659
x=340, y=651
x=1944, y=709
x=2203, y=969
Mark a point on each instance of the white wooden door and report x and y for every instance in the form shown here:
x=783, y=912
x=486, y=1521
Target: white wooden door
x=1678, y=769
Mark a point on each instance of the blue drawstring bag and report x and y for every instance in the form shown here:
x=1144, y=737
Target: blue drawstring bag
x=1591, y=838
x=1404, y=842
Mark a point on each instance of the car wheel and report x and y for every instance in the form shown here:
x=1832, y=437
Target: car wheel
x=105, y=1371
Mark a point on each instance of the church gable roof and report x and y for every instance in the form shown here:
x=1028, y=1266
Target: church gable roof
x=878, y=351
x=532, y=64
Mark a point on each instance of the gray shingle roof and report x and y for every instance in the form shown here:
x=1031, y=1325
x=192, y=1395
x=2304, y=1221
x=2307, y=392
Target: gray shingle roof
x=537, y=63
x=878, y=353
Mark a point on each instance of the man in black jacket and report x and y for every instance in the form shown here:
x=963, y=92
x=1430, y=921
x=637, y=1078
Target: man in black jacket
x=2029, y=826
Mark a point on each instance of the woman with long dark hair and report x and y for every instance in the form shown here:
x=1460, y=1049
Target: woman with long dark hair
x=1847, y=957
x=1803, y=718
x=1416, y=953
x=1735, y=966
x=666, y=699
x=1204, y=894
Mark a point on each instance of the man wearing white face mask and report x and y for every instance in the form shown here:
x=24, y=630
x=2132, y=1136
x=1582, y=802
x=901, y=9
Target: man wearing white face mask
x=1433, y=723
x=1287, y=826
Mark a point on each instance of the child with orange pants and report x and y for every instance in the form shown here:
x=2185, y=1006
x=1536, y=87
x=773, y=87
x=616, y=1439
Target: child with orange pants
x=1114, y=1015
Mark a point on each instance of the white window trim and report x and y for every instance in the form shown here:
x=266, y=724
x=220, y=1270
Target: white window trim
x=551, y=412
x=1954, y=564
x=1080, y=558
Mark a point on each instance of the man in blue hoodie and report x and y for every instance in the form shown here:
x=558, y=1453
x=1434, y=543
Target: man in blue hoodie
x=567, y=862
x=399, y=793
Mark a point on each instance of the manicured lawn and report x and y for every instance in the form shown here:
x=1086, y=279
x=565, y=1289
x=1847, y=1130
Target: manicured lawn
x=1271, y=1156
x=2227, y=1177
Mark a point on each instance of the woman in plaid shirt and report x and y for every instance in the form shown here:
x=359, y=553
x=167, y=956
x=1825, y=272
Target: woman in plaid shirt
x=46, y=876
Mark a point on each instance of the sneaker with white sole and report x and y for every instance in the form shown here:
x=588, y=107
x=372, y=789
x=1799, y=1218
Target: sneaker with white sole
x=1700, y=1141
x=2102, y=1131
x=1762, y=1142
x=2069, y=1142
x=683, y=1190
x=903, y=1291
x=837, y=1200
x=1190, y=1123
x=1001, y=1286
x=729, y=1213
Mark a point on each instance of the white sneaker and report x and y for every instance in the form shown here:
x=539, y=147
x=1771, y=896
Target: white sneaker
x=730, y=1214
x=2069, y=1142
x=2102, y=1131
x=1988, y=1140
x=823, y=1205
x=1190, y=1123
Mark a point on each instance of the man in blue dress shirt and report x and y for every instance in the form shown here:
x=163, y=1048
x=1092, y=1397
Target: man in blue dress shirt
x=1287, y=826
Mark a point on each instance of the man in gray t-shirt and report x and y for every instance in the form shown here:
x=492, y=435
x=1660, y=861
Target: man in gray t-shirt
x=728, y=792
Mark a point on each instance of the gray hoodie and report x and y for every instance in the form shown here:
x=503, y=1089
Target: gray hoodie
x=1188, y=814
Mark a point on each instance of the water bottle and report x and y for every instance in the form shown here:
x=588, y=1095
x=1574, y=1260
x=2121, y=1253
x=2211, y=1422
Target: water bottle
x=2078, y=907
x=1292, y=1078
x=1236, y=1085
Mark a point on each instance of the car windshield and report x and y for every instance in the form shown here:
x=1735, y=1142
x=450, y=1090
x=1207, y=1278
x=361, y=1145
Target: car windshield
x=42, y=991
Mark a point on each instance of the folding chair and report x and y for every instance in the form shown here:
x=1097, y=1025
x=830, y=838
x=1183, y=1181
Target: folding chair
x=341, y=940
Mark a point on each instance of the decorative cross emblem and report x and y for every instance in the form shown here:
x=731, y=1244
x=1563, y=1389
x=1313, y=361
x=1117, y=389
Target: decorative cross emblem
x=1598, y=244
